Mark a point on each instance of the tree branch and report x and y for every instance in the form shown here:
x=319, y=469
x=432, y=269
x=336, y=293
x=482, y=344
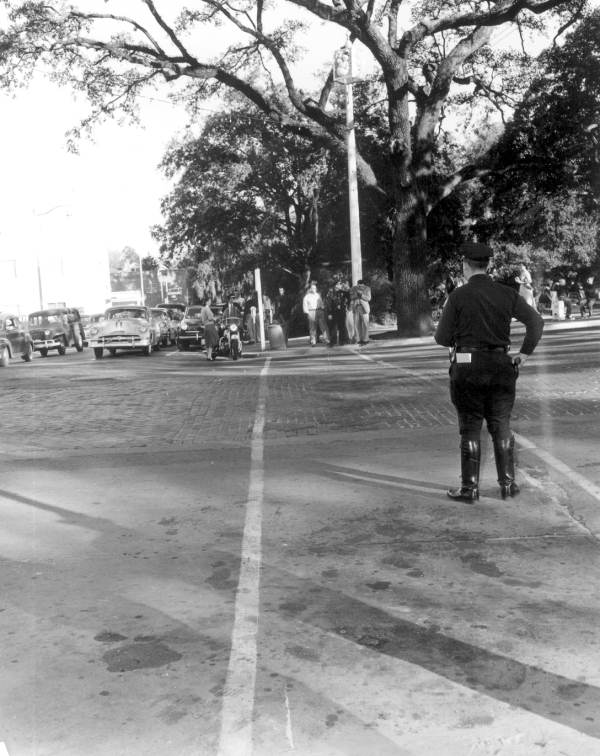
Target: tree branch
x=505, y=10
x=575, y=16
x=165, y=27
x=124, y=19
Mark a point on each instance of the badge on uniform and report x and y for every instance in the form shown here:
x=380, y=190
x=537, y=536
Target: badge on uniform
x=463, y=357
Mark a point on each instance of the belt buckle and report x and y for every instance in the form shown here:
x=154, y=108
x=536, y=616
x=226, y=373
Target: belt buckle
x=463, y=357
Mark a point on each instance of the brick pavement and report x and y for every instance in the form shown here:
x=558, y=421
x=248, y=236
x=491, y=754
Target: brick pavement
x=309, y=393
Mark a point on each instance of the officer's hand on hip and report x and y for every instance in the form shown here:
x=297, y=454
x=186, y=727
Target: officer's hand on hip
x=519, y=360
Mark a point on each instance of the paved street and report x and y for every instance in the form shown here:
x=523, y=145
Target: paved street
x=259, y=558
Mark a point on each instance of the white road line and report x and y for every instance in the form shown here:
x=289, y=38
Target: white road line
x=238, y=696
x=288, y=723
x=3, y=751
x=560, y=467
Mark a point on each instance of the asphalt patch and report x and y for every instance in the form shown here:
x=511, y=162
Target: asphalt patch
x=141, y=655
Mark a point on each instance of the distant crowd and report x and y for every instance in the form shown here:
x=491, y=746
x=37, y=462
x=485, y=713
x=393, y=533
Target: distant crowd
x=578, y=291
x=337, y=314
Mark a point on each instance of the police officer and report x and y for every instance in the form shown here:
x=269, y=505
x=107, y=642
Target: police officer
x=475, y=323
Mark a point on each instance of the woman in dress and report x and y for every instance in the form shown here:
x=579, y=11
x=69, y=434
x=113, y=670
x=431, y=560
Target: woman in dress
x=211, y=334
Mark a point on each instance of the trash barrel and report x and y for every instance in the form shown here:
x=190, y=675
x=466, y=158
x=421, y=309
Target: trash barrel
x=558, y=310
x=276, y=337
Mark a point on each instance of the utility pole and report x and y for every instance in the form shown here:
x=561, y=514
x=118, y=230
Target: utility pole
x=261, y=312
x=342, y=73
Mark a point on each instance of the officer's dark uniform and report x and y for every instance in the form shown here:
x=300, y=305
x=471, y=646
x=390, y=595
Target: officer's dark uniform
x=476, y=323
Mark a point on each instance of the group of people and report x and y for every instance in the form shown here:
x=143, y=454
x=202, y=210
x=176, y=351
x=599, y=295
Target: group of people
x=571, y=289
x=342, y=316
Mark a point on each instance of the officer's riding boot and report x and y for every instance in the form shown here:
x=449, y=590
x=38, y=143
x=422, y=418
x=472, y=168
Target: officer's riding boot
x=504, y=452
x=470, y=456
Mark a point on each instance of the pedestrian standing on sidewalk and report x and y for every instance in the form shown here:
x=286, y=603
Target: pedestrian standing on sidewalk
x=525, y=282
x=589, y=294
x=211, y=334
x=360, y=296
x=475, y=323
x=336, y=307
x=283, y=305
x=313, y=308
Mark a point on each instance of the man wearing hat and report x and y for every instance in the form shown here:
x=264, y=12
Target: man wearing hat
x=475, y=323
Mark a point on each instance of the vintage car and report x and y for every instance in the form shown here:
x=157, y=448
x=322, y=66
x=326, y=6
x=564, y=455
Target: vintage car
x=57, y=328
x=15, y=340
x=163, y=322
x=125, y=327
x=191, y=330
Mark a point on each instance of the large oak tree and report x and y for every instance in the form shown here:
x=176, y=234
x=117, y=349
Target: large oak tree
x=439, y=57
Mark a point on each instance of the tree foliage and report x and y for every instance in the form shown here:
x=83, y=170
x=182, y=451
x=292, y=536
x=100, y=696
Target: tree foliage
x=248, y=194
x=546, y=193
x=431, y=69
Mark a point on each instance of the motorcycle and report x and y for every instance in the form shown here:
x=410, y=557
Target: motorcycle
x=230, y=339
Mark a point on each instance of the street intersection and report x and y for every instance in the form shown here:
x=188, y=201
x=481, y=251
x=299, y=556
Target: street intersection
x=259, y=557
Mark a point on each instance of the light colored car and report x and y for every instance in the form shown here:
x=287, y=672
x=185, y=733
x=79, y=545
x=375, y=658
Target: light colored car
x=125, y=327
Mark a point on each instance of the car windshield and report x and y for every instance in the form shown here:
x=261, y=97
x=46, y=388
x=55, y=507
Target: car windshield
x=45, y=319
x=193, y=312
x=128, y=312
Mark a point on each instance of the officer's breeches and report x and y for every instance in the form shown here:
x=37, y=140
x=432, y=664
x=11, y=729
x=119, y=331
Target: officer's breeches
x=483, y=389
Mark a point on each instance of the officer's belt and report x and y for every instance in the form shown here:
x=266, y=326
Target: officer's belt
x=482, y=349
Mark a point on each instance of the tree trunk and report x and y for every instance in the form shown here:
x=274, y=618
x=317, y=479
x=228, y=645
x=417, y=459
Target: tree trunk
x=413, y=308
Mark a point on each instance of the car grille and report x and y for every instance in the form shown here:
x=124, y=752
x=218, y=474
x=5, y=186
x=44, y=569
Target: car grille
x=41, y=336
x=120, y=338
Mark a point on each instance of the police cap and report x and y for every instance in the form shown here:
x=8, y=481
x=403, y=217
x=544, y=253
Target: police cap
x=476, y=251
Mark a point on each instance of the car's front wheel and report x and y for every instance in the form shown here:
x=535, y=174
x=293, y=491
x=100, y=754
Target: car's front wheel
x=28, y=353
x=148, y=349
x=62, y=349
x=43, y=352
x=98, y=353
x=4, y=356
x=112, y=351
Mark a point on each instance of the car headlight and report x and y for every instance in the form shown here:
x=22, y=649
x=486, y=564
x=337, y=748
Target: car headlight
x=94, y=331
x=143, y=329
x=183, y=325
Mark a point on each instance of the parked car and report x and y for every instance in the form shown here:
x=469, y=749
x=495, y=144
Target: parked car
x=191, y=330
x=163, y=322
x=125, y=327
x=15, y=340
x=57, y=328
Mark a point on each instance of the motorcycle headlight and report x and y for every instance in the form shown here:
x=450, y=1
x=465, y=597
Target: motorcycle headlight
x=183, y=325
x=46, y=333
x=233, y=328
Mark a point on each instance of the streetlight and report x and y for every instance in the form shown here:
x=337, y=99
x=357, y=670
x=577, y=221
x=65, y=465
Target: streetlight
x=342, y=73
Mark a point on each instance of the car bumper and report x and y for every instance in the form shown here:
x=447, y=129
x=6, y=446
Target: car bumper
x=119, y=342
x=47, y=343
x=190, y=337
